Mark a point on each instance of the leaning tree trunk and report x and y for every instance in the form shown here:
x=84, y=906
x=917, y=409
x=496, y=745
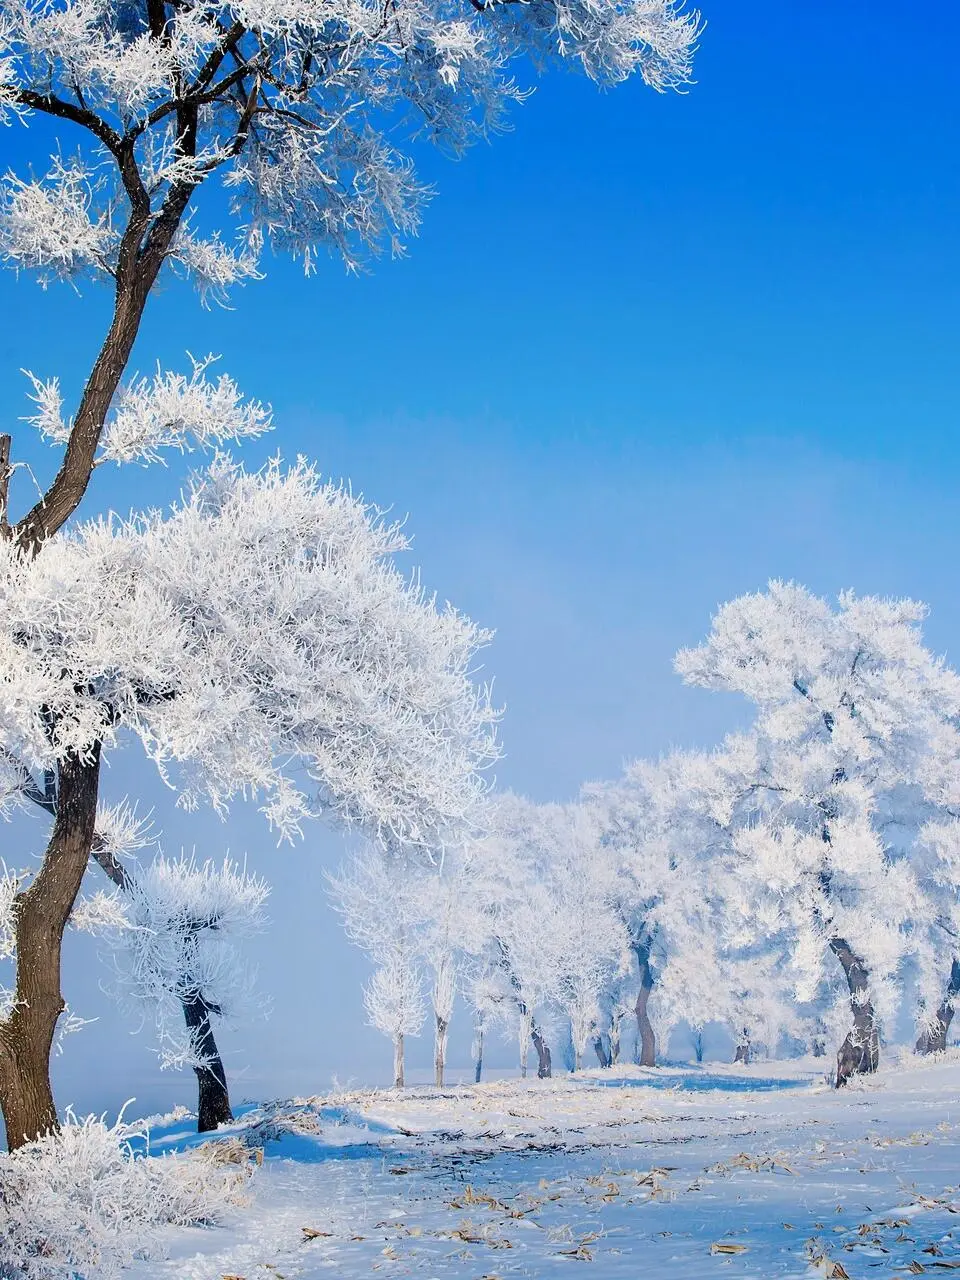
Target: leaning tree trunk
x=398, y=1061
x=40, y=918
x=440, y=1049
x=860, y=1052
x=934, y=1039
x=213, y=1101
x=213, y=1097
x=544, y=1064
x=648, y=1041
x=600, y=1050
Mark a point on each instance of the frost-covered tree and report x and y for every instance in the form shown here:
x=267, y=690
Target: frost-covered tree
x=177, y=962
x=522, y=932
x=591, y=942
x=393, y=999
x=298, y=113
x=856, y=748
x=379, y=901
x=119, y=837
x=258, y=633
x=702, y=924
x=412, y=922
x=661, y=826
x=450, y=931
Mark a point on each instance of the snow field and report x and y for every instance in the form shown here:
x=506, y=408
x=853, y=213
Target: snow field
x=759, y=1171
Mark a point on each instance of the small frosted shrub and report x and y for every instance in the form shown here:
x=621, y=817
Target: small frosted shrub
x=80, y=1204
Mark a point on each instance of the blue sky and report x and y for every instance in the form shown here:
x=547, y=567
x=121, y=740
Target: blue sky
x=647, y=353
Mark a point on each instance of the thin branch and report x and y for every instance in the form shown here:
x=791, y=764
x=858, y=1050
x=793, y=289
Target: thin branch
x=54, y=106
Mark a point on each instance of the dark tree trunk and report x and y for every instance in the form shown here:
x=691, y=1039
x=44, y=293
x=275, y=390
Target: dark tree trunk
x=213, y=1098
x=143, y=249
x=40, y=918
x=544, y=1063
x=213, y=1105
x=479, y=1062
x=860, y=1052
x=934, y=1040
x=698, y=1045
x=648, y=1041
x=600, y=1049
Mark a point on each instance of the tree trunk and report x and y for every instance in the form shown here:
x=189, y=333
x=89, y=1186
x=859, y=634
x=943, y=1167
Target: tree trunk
x=398, y=1061
x=860, y=1052
x=577, y=1059
x=648, y=1041
x=698, y=1046
x=819, y=1045
x=143, y=249
x=600, y=1050
x=479, y=1059
x=440, y=1049
x=934, y=1039
x=40, y=917
x=743, y=1049
x=213, y=1098
x=213, y=1103
x=526, y=1023
x=544, y=1064
x=615, y=1039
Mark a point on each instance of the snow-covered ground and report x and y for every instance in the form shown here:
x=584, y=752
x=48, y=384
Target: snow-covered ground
x=681, y=1172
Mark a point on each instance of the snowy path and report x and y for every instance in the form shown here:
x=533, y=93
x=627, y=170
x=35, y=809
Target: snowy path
x=749, y=1172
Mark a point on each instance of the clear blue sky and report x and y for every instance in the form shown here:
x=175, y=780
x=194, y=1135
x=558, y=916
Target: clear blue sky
x=646, y=353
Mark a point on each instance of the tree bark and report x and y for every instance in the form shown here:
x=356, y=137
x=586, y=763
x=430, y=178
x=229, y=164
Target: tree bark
x=478, y=1071
x=5, y=444
x=648, y=1041
x=860, y=1052
x=819, y=1045
x=743, y=1049
x=398, y=1061
x=544, y=1064
x=143, y=250
x=40, y=917
x=440, y=1050
x=615, y=1038
x=934, y=1039
x=526, y=1022
x=698, y=1046
x=213, y=1102
x=600, y=1050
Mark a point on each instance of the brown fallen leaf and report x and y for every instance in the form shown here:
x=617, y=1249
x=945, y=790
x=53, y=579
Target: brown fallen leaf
x=722, y=1246
x=581, y=1253
x=311, y=1233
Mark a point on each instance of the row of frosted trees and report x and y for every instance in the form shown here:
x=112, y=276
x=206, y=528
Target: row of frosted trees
x=257, y=640
x=798, y=884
